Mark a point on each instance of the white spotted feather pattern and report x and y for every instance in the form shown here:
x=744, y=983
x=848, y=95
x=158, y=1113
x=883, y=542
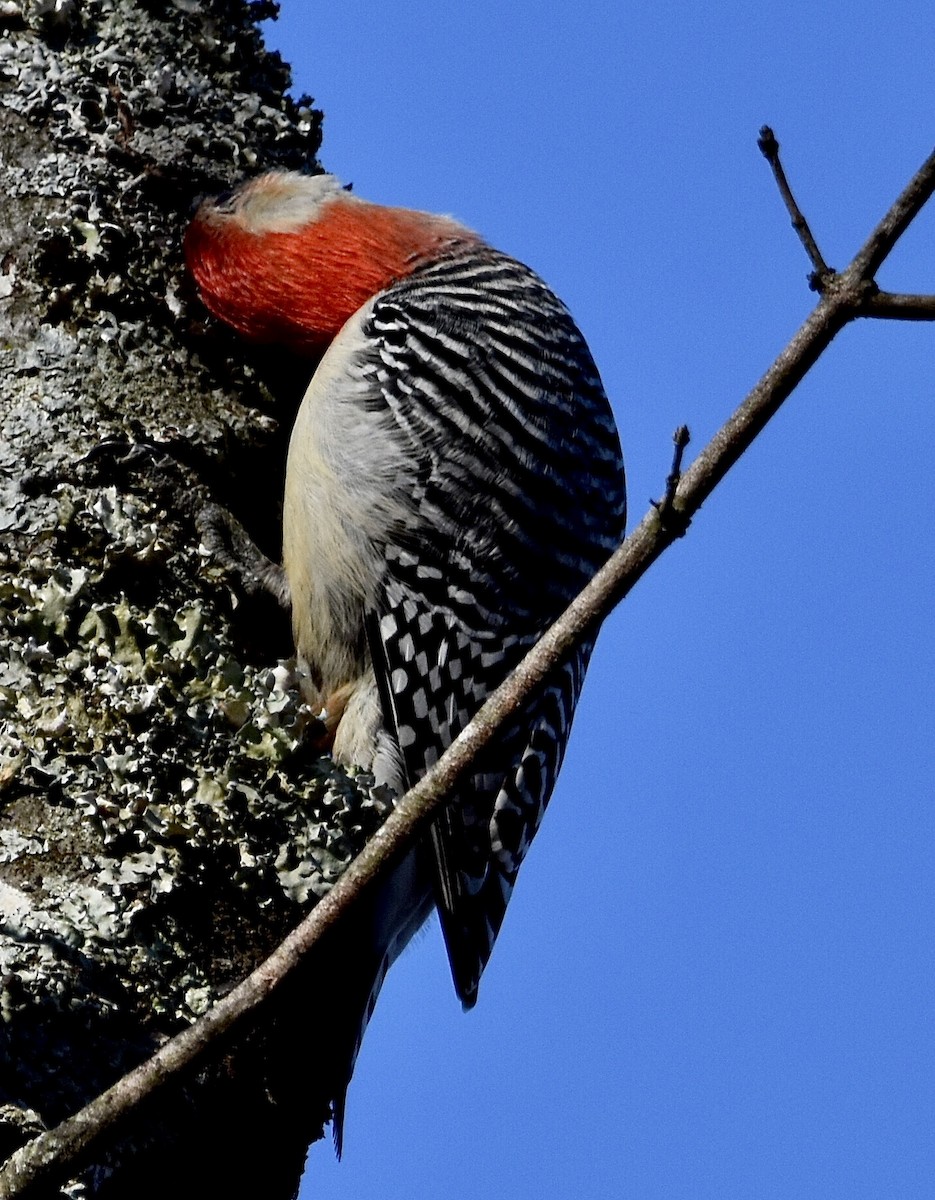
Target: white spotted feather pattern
x=518, y=498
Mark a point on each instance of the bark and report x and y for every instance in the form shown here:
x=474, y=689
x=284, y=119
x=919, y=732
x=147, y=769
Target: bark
x=160, y=828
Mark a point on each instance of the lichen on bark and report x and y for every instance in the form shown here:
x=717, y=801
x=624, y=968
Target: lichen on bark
x=160, y=823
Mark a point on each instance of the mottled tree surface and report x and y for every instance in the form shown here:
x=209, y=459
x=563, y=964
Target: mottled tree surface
x=160, y=827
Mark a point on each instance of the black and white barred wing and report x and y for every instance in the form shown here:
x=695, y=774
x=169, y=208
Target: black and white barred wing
x=518, y=500
x=438, y=679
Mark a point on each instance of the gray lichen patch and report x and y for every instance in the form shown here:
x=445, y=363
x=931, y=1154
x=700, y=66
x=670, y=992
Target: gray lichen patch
x=173, y=775
x=114, y=117
x=161, y=823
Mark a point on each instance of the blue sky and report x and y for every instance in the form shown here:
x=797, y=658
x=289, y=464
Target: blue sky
x=716, y=974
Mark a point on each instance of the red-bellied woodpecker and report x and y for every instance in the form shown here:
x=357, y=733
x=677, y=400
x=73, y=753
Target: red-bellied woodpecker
x=454, y=478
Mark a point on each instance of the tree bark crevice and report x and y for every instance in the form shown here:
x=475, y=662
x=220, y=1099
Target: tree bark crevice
x=159, y=832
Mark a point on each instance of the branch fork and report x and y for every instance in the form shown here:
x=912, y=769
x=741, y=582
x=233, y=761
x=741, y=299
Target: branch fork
x=858, y=280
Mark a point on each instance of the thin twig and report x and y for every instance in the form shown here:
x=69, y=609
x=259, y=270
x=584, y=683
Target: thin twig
x=899, y=306
x=770, y=148
x=57, y=1149
x=665, y=506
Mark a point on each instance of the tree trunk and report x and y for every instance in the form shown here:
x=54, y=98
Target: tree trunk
x=160, y=828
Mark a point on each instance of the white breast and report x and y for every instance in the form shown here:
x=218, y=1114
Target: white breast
x=347, y=485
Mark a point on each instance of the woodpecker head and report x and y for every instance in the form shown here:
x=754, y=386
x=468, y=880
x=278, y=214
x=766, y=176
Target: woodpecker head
x=288, y=258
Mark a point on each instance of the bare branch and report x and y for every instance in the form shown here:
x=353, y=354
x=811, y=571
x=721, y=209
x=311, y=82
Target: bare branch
x=849, y=296
x=770, y=148
x=897, y=306
x=876, y=249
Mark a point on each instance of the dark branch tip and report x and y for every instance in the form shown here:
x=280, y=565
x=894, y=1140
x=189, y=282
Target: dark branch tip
x=767, y=143
x=673, y=520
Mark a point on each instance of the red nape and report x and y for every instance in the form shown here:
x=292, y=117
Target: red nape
x=299, y=288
